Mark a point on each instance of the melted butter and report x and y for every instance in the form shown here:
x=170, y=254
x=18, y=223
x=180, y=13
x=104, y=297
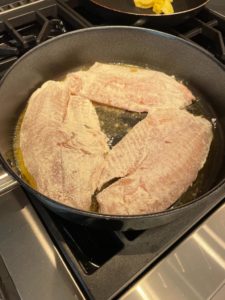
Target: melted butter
x=20, y=164
x=133, y=69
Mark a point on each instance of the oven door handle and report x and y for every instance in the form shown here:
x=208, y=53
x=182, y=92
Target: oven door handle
x=7, y=182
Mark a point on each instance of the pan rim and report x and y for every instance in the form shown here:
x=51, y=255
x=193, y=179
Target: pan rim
x=211, y=193
x=6, y=165
x=151, y=14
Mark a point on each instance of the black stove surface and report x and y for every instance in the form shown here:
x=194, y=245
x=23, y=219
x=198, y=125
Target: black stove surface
x=104, y=263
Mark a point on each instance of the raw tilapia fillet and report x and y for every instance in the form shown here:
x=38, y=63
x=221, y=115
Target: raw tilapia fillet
x=83, y=153
x=157, y=161
x=129, y=88
x=62, y=145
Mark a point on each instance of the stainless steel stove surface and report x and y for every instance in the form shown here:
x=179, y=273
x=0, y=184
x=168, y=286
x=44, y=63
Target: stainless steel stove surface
x=193, y=270
x=30, y=265
x=45, y=257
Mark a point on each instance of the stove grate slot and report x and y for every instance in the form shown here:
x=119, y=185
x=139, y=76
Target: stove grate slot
x=91, y=248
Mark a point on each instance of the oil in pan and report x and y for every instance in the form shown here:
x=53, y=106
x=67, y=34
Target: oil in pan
x=116, y=123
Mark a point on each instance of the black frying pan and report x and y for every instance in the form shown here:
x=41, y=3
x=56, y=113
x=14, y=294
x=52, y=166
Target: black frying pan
x=183, y=10
x=130, y=45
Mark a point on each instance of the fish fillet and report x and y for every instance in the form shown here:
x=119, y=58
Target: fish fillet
x=129, y=88
x=62, y=145
x=157, y=161
x=83, y=153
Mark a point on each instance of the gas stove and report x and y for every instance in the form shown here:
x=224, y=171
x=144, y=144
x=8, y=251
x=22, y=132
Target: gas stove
x=45, y=257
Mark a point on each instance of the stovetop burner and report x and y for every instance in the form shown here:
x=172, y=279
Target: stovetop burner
x=104, y=263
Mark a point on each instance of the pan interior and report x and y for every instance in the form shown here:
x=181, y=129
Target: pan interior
x=116, y=123
x=127, y=6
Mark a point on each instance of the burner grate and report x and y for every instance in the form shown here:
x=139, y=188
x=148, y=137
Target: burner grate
x=16, y=4
x=20, y=33
x=207, y=30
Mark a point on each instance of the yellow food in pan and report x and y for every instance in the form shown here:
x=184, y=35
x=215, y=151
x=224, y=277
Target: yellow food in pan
x=158, y=6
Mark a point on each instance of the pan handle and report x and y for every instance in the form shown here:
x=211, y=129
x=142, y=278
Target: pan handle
x=7, y=182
